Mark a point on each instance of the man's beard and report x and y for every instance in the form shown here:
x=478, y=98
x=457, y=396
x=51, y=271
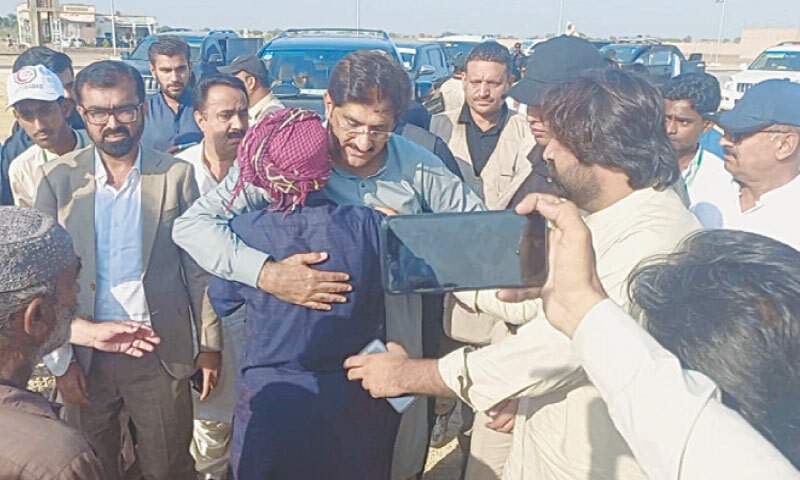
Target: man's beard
x=174, y=96
x=59, y=336
x=578, y=185
x=117, y=149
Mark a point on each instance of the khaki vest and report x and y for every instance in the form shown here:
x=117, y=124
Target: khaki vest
x=508, y=166
x=504, y=173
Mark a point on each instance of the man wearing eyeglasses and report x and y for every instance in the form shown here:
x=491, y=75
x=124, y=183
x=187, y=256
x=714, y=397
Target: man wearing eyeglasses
x=118, y=201
x=762, y=152
x=40, y=106
x=367, y=94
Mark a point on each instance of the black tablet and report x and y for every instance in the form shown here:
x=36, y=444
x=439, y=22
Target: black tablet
x=445, y=252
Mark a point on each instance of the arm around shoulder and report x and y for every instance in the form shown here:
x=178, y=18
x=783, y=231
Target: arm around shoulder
x=204, y=232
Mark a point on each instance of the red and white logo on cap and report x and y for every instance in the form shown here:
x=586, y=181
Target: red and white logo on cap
x=25, y=75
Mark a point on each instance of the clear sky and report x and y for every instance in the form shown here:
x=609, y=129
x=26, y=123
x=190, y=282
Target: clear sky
x=665, y=18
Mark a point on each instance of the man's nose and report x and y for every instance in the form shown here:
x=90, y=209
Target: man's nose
x=672, y=127
x=363, y=141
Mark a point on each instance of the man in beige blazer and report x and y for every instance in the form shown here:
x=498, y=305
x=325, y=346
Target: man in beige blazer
x=118, y=201
x=491, y=145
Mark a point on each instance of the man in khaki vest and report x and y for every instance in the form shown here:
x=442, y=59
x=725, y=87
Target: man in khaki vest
x=491, y=145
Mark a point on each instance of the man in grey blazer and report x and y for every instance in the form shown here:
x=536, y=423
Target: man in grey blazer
x=118, y=201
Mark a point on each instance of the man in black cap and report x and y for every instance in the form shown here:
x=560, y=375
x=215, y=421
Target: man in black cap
x=552, y=62
x=490, y=144
x=252, y=71
x=762, y=152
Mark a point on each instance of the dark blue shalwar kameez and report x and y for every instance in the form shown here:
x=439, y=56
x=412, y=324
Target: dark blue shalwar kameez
x=297, y=416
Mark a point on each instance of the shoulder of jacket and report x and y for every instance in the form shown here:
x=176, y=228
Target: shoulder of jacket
x=84, y=156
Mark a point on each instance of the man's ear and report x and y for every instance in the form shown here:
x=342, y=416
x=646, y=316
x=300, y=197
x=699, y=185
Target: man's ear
x=789, y=146
x=34, y=321
x=328, y=101
x=199, y=120
x=153, y=70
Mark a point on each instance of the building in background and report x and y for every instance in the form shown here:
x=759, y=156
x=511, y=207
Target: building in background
x=76, y=24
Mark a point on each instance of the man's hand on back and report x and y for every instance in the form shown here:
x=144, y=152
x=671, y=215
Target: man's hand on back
x=294, y=281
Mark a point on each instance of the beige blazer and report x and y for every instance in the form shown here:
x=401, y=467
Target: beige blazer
x=175, y=286
x=504, y=173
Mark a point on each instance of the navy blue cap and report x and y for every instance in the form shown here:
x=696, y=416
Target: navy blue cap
x=767, y=103
x=553, y=62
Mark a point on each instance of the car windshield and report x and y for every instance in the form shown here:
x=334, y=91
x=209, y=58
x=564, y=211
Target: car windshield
x=455, y=49
x=142, y=50
x=407, y=55
x=623, y=53
x=307, y=70
x=777, y=61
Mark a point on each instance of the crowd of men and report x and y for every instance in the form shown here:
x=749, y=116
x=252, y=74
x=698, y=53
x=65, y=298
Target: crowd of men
x=665, y=343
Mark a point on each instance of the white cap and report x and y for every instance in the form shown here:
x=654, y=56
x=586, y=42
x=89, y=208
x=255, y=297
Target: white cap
x=33, y=83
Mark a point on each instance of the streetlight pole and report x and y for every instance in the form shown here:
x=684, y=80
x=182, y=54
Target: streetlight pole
x=113, y=30
x=721, y=27
x=358, y=18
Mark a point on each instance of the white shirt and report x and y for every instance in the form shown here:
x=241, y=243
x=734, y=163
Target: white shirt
x=118, y=246
x=774, y=214
x=118, y=255
x=671, y=419
x=563, y=431
x=194, y=155
x=708, y=186
x=22, y=171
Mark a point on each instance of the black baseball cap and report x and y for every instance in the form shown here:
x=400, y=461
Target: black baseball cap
x=553, y=62
x=250, y=64
x=767, y=103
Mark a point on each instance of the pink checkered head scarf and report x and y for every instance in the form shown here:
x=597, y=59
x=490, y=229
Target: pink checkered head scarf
x=286, y=154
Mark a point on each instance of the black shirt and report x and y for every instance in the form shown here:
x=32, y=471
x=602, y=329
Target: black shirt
x=481, y=144
x=538, y=181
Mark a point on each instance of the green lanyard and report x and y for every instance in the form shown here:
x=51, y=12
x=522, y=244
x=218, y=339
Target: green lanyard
x=693, y=174
x=81, y=144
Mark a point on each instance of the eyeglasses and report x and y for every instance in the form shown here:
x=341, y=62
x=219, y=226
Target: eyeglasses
x=738, y=137
x=352, y=131
x=123, y=114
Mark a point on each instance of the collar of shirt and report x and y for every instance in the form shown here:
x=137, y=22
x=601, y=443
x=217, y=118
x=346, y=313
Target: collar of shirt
x=184, y=100
x=694, y=166
x=263, y=106
x=81, y=143
x=19, y=399
x=787, y=194
x=623, y=208
x=466, y=119
x=101, y=176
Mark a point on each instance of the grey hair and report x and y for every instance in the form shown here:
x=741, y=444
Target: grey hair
x=12, y=303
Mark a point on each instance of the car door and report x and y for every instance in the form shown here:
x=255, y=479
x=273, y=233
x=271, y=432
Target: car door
x=660, y=62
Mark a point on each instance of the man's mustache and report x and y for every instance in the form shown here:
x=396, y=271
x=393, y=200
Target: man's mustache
x=116, y=131
x=235, y=134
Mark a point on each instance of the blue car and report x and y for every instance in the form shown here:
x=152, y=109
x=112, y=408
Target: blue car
x=300, y=62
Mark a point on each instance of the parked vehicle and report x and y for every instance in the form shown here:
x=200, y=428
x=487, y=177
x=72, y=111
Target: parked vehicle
x=426, y=62
x=780, y=61
x=459, y=45
x=300, y=62
x=663, y=61
x=207, y=50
